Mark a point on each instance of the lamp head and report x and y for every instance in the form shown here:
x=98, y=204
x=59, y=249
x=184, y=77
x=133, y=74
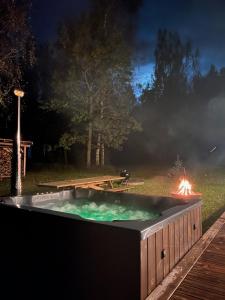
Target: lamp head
x=19, y=93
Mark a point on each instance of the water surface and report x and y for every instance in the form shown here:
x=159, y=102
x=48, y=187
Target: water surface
x=101, y=211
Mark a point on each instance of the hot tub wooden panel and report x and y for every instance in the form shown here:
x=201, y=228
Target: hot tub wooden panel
x=152, y=262
x=166, y=268
x=162, y=250
x=171, y=245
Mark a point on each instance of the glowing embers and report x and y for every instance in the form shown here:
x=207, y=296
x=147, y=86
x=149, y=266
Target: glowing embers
x=185, y=191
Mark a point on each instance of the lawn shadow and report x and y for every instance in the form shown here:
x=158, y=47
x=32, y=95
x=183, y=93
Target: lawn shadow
x=212, y=219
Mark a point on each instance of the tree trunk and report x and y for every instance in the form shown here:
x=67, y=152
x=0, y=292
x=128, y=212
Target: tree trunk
x=65, y=156
x=102, y=143
x=102, y=154
x=89, y=144
x=97, y=155
x=90, y=130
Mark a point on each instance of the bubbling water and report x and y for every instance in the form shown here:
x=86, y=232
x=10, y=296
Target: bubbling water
x=101, y=211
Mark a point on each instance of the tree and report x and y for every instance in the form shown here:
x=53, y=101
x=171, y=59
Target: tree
x=17, y=45
x=91, y=83
x=167, y=103
x=114, y=120
x=174, y=64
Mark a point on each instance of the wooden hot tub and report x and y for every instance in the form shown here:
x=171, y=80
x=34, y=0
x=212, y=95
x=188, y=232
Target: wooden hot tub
x=57, y=255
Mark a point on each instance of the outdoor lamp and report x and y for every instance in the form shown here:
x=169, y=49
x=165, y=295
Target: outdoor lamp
x=19, y=93
x=18, y=183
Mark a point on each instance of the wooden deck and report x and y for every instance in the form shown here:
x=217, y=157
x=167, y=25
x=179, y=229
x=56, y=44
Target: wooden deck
x=206, y=280
x=83, y=182
x=201, y=273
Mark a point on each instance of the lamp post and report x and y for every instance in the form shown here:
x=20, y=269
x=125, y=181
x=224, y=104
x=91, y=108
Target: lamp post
x=18, y=183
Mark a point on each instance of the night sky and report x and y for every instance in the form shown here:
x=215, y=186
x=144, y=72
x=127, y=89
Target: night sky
x=202, y=21
x=47, y=14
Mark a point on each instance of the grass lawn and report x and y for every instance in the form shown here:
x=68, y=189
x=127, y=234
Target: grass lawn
x=210, y=182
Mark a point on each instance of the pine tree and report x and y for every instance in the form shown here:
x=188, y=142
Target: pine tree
x=178, y=168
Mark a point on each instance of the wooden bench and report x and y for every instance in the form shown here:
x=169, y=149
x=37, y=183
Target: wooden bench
x=119, y=189
x=99, y=188
x=92, y=182
x=93, y=187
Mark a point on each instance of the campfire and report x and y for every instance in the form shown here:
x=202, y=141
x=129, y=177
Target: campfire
x=185, y=191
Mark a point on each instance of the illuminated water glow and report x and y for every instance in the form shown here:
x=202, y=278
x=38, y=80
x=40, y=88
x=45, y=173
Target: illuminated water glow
x=101, y=211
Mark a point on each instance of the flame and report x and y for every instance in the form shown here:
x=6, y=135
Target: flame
x=184, y=188
x=185, y=191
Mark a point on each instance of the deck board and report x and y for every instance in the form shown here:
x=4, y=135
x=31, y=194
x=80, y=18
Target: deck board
x=201, y=273
x=206, y=280
x=80, y=182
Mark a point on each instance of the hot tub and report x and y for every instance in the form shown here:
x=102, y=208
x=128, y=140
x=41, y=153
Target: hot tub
x=53, y=254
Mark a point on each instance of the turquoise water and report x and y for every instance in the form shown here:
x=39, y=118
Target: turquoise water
x=101, y=211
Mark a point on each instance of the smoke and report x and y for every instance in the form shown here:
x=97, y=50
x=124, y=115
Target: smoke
x=196, y=132
x=214, y=129
x=204, y=133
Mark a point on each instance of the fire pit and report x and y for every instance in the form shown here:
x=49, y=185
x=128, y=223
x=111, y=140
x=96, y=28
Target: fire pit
x=62, y=255
x=185, y=191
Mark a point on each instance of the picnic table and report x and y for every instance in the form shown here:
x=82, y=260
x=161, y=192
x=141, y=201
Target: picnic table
x=92, y=182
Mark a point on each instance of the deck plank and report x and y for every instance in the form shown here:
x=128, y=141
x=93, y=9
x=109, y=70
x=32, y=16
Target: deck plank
x=206, y=280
